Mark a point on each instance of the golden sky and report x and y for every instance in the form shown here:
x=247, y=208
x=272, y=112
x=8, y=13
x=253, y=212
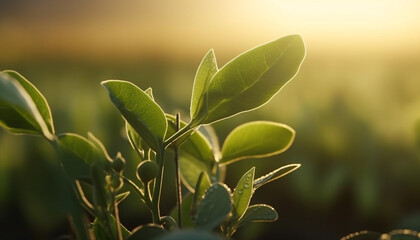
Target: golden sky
x=186, y=28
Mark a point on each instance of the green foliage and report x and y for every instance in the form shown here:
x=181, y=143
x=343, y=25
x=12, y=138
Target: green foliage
x=256, y=140
x=139, y=109
x=214, y=207
x=211, y=209
x=242, y=84
x=23, y=109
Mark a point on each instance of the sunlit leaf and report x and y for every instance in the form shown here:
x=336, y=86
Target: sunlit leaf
x=258, y=213
x=139, y=109
x=276, y=174
x=245, y=83
x=255, y=140
x=214, y=208
x=23, y=109
x=242, y=194
x=147, y=232
x=205, y=72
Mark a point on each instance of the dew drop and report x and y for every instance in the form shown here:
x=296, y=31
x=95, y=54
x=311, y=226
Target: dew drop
x=246, y=185
x=249, y=175
x=240, y=192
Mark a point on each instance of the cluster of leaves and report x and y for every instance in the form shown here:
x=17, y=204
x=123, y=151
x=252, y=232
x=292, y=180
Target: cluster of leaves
x=211, y=210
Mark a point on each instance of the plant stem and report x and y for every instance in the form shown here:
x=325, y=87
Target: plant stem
x=160, y=157
x=187, y=128
x=117, y=220
x=178, y=179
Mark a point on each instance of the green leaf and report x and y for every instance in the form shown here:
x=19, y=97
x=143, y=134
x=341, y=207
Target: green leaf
x=147, y=232
x=258, y=213
x=205, y=72
x=276, y=174
x=78, y=154
x=189, y=235
x=256, y=140
x=203, y=183
x=242, y=194
x=138, y=109
x=244, y=83
x=214, y=208
x=39, y=100
x=22, y=107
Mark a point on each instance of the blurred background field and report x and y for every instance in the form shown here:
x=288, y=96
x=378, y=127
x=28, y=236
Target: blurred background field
x=355, y=104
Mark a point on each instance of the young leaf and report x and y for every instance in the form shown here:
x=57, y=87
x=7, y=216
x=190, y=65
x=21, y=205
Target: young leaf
x=276, y=174
x=147, y=232
x=214, y=208
x=203, y=183
x=22, y=108
x=255, y=140
x=242, y=194
x=39, y=100
x=138, y=109
x=243, y=85
x=258, y=213
x=205, y=72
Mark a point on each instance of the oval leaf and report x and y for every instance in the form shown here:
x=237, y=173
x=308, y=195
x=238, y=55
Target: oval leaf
x=21, y=106
x=276, y=174
x=39, y=100
x=205, y=72
x=214, y=208
x=258, y=213
x=138, y=109
x=243, y=85
x=255, y=140
x=242, y=194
